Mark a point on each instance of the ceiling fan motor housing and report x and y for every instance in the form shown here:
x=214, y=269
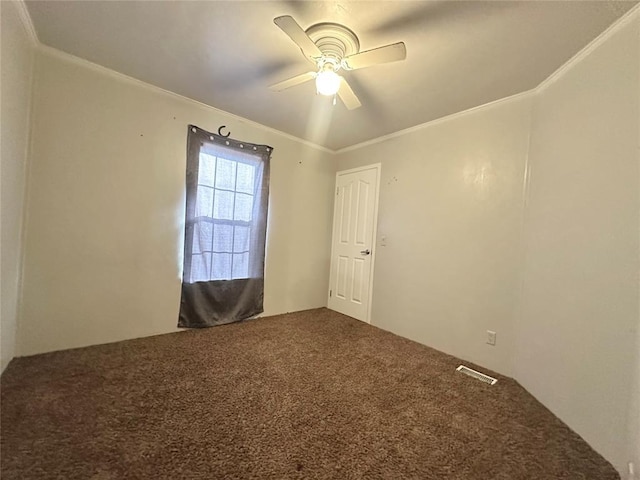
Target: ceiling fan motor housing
x=335, y=41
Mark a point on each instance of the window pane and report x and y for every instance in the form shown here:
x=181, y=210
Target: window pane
x=200, y=267
x=241, y=239
x=240, y=265
x=221, y=266
x=246, y=174
x=243, y=207
x=207, y=170
x=223, y=205
x=225, y=193
x=204, y=200
x=202, y=234
x=226, y=174
x=222, y=240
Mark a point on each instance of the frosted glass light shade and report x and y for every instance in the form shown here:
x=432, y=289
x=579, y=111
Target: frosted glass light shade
x=328, y=83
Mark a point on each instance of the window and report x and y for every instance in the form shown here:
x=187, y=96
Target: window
x=225, y=201
x=225, y=230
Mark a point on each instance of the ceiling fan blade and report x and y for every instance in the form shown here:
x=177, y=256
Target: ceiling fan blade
x=293, y=81
x=388, y=53
x=298, y=35
x=347, y=96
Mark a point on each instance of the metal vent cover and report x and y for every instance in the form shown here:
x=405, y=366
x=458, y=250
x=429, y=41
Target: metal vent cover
x=480, y=376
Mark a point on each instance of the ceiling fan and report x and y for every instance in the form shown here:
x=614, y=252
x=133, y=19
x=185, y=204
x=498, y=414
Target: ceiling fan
x=331, y=47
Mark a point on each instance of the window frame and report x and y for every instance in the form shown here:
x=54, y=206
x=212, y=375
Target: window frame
x=233, y=223
x=254, y=155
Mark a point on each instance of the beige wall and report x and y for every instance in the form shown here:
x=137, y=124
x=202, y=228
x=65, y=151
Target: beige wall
x=105, y=224
x=17, y=60
x=451, y=209
x=578, y=338
x=633, y=425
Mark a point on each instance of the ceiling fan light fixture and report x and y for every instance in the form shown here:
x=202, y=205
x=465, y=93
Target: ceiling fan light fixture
x=328, y=83
x=332, y=47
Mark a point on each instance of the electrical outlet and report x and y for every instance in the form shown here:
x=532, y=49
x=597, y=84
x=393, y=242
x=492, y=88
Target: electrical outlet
x=491, y=337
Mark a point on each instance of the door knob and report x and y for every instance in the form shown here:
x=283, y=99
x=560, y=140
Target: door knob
x=365, y=252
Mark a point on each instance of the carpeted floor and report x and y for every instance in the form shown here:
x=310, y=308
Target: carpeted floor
x=308, y=395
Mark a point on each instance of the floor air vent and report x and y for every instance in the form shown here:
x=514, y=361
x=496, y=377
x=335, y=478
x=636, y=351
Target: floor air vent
x=480, y=376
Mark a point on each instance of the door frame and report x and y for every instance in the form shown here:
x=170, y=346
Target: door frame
x=374, y=231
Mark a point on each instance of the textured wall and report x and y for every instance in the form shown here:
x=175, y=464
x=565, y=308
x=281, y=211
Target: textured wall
x=105, y=227
x=17, y=61
x=451, y=211
x=577, y=345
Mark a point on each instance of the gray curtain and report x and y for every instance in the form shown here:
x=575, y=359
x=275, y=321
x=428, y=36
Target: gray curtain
x=225, y=230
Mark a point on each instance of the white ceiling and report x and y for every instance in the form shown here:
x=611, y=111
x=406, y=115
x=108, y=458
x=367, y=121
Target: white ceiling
x=460, y=54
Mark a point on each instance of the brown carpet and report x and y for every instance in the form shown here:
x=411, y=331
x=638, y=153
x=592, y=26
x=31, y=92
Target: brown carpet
x=308, y=395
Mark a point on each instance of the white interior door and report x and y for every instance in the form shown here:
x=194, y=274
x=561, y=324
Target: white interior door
x=352, y=253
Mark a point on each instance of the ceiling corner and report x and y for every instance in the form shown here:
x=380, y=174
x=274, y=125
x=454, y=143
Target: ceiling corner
x=27, y=23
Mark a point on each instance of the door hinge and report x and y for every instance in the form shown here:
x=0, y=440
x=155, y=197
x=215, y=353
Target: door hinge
x=330, y=292
x=337, y=191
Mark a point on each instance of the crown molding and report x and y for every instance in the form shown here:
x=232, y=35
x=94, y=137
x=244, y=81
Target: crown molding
x=23, y=13
x=64, y=56
x=591, y=46
x=436, y=121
